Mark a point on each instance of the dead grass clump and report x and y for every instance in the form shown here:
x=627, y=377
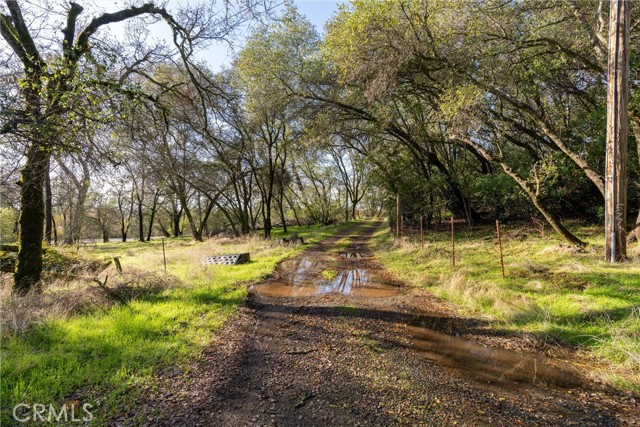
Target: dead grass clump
x=132, y=285
x=533, y=267
x=572, y=267
x=62, y=297
x=621, y=345
x=568, y=281
x=69, y=262
x=563, y=249
x=480, y=294
x=527, y=268
x=54, y=301
x=56, y=260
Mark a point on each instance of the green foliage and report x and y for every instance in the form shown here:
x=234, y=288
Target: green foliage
x=455, y=99
x=8, y=219
x=271, y=64
x=500, y=192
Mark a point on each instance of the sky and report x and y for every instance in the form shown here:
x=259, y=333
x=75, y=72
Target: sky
x=220, y=54
x=318, y=12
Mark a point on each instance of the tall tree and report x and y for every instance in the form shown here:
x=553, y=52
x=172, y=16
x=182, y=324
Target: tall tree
x=617, y=132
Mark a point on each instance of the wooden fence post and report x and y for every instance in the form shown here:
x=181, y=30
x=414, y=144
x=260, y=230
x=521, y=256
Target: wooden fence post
x=398, y=216
x=500, y=246
x=164, y=256
x=453, y=245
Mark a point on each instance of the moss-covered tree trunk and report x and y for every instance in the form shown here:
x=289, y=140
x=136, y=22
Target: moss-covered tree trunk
x=32, y=212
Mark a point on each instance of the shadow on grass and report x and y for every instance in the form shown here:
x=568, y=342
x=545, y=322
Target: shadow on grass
x=587, y=328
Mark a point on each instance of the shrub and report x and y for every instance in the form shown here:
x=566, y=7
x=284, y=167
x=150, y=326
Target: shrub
x=8, y=219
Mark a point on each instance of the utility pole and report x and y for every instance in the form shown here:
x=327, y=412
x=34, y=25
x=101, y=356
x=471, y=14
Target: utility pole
x=617, y=132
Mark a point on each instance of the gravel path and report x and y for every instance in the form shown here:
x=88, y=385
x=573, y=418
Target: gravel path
x=355, y=359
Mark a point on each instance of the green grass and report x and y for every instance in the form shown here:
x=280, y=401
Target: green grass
x=575, y=298
x=102, y=355
x=329, y=274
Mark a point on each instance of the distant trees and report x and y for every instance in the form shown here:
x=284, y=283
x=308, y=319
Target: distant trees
x=58, y=87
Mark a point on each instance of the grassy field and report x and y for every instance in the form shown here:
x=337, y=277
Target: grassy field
x=100, y=352
x=550, y=290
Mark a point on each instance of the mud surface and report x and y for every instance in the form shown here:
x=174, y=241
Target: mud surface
x=318, y=271
x=332, y=339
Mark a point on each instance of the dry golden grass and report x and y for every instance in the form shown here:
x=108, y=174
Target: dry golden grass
x=61, y=296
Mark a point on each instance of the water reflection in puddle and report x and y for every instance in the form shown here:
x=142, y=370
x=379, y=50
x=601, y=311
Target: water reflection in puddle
x=352, y=255
x=302, y=277
x=489, y=363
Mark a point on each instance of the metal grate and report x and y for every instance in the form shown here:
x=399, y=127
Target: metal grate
x=231, y=259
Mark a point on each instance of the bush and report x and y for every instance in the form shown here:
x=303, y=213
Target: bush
x=8, y=219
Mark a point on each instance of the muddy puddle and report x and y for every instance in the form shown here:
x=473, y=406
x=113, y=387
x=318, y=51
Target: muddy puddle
x=352, y=255
x=317, y=275
x=491, y=364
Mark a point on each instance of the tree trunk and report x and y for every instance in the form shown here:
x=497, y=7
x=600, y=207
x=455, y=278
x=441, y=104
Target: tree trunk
x=55, y=231
x=281, y=207
x=140, y=221
x=242, y=219
x=635, y=127
x=154, y=208
x=82, y=187
x=164, y=230
x=346, y=206
x=78, y=215
x=398, y=215
x=32, y=213
x=266, y=216
x=549, y=216
x=615, y=217
x=295, y=213
x=192, y=224
x=48, y=214
x=175, y=218
x=267, y=223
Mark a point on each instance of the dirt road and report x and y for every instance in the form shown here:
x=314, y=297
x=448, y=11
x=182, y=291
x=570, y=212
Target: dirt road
x=332, y=340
